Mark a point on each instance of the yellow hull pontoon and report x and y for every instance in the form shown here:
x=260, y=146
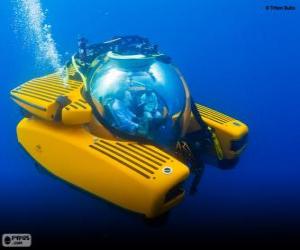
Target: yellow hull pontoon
x=62, y=132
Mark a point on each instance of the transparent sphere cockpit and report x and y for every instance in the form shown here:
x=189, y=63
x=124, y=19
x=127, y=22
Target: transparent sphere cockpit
x=139, y=96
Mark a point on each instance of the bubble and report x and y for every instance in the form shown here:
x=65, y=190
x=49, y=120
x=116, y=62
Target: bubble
x=30, y=21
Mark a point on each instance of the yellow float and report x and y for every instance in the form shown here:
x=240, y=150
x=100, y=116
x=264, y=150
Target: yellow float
x=120, y=123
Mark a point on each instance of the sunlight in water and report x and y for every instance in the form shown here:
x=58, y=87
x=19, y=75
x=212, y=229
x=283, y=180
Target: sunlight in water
x=31, y=23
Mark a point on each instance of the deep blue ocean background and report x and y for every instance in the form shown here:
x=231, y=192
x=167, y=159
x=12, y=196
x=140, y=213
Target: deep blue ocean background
x=237, y=58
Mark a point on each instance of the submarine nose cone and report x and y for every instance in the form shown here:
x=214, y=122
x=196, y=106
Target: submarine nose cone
x=139, y=96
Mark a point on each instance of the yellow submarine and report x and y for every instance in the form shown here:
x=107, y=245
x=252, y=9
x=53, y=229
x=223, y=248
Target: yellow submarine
x=119, y=122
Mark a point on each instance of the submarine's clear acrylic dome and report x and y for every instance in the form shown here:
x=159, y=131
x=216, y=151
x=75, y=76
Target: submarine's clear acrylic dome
x=140, y=96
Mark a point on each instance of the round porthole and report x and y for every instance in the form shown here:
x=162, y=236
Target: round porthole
x=167, y=170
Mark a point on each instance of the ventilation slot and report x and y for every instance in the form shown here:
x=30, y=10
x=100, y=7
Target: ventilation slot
x=139, y=154
x=39, y=91
x=56, y=81
x=129, y=153
x=213, y=115
x=125, y=157
x=56, y=84
x=145, y=150
x=60, y=82
x=32, y=96
x=32, y=92
x=47, y=84
x=76, y=105
x=155, y=152
x=82, y=101
x=75, y=83
x=44, y=88
x=73, y=106
x=80, y=105
x=124, y=160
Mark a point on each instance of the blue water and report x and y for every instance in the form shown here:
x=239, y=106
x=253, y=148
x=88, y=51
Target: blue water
x=237, y=58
